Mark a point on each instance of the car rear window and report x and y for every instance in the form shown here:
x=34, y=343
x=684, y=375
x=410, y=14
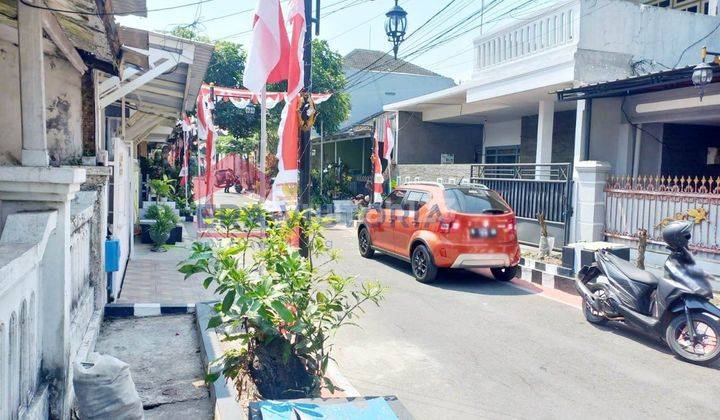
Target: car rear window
x=474, y=201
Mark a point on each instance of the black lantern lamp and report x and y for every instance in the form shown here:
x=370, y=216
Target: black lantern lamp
x=395, y=26
x=249, y=109
x=703, y=72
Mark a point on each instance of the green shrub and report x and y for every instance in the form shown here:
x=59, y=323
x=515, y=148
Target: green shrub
x=165, y=221
x=279, y=296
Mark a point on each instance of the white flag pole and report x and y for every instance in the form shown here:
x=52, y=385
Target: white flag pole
x=263, y=141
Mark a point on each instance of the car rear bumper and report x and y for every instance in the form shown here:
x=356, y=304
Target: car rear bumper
x=481, y=261
x=452, y=255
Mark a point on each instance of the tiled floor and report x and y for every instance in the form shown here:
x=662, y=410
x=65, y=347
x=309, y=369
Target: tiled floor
x=153, y=277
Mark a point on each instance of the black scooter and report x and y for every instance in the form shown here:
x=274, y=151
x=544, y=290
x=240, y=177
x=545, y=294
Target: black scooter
x=615, y=290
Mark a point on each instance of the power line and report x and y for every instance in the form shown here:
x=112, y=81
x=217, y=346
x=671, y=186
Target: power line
x=370, y=78
x=80, y=12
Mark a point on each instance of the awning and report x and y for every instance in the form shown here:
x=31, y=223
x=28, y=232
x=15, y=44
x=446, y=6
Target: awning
x=652, y=82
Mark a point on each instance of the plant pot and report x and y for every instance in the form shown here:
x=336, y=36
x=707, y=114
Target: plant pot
x=546, y=245
x=89, y=161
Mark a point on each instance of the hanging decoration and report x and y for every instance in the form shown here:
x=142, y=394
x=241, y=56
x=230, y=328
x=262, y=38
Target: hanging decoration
x=377, y=169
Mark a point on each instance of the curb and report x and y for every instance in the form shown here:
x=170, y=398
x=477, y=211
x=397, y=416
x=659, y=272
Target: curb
x=223, y=394
x=129, y=310
x=549, y=276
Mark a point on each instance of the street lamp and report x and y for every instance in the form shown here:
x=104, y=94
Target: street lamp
x=703, y=73
x=395, y=26
x=249, y=109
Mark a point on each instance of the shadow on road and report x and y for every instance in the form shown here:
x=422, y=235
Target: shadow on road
x=458, y=280
x=648, y=340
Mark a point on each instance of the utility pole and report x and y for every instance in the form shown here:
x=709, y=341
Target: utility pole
x=304, y=152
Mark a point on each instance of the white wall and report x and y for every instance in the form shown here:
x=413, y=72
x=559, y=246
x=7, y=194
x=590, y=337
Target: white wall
x=645, y=32
x=505, y=133
x=63, y=107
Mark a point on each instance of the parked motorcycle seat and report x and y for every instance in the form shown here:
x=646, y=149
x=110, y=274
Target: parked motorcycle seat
x=616, y=266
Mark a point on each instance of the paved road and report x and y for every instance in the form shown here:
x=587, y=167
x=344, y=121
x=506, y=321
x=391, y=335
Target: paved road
x=469, y=347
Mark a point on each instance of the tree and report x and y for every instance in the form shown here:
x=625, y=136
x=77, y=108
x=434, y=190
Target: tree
x=328, y=76
x=243, y=146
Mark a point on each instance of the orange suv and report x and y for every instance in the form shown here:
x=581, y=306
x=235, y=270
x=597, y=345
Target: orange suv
x=433, y=226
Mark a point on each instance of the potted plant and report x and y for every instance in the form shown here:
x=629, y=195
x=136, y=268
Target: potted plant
x=88, y=158
x=546, y=244
x=164, y=221
x=185, y=208
x=162, y=188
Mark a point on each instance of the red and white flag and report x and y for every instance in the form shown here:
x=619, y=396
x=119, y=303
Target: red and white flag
x=269, y=48
x=389, y=140
x=206, y=131
x=377, y=171
x=284, y=188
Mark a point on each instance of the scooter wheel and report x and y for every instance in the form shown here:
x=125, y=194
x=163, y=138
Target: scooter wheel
x=590, y=314
x=706, y=348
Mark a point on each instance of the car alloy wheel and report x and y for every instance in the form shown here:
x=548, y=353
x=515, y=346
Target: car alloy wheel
x=419, y=264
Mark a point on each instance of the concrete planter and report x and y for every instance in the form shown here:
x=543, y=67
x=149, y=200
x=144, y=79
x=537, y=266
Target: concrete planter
x=175, y=233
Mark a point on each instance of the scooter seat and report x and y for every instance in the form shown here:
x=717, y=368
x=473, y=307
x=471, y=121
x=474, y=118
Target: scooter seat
x=617, y=266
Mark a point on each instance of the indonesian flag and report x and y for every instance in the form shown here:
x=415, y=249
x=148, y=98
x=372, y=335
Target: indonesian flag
x=268, y=56
x=284, y=188
x=389, y=140
x=377, y=170
x=206, y=131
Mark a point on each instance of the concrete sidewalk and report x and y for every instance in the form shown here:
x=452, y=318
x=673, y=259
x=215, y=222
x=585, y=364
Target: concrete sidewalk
x=164, y=357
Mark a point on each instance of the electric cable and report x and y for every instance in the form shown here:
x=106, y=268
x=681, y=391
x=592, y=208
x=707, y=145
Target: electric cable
x=129, y=12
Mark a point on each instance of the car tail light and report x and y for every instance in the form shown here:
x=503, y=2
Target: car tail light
x=447, y=223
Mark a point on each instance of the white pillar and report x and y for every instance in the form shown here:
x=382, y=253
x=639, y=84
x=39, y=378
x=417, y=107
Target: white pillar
x=713, y=7
x=543, y=152
x=580, y=122
x=32, y=85
x=590, y=211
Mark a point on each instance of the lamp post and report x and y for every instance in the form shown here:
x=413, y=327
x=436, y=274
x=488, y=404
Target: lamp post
x=703, y=73
x=395, y=26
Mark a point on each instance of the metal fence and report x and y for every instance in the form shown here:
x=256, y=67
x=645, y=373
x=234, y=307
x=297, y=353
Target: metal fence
x=650, y=202
x=530, y=188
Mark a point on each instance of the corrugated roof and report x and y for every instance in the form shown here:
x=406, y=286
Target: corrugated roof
x=371, y=60
x=660, y=80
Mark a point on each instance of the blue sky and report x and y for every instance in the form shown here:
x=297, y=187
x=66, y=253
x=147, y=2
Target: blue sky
x=349, y=24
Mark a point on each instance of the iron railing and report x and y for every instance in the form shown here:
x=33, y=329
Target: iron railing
x=650, y=202
x=530, y=188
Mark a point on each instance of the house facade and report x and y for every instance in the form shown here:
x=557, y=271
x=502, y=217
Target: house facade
x=374, y=79
x=81, y=94
x=53, y=209
x=534, y=145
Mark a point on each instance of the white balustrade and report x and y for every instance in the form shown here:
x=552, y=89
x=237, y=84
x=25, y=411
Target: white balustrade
x=552, y=28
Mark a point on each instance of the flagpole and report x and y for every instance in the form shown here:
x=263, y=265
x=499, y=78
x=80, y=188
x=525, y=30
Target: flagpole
x=304, y=155
x=322, y=164
x=263, y=141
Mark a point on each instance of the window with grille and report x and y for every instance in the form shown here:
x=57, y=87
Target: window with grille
x=693, y=6
x=502, y=154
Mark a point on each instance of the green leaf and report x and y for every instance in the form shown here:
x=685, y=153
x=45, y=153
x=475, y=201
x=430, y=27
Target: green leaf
x=212, y=377
x=228, y=300
x=208, y=280
x=282, y=311
x=214, y=322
